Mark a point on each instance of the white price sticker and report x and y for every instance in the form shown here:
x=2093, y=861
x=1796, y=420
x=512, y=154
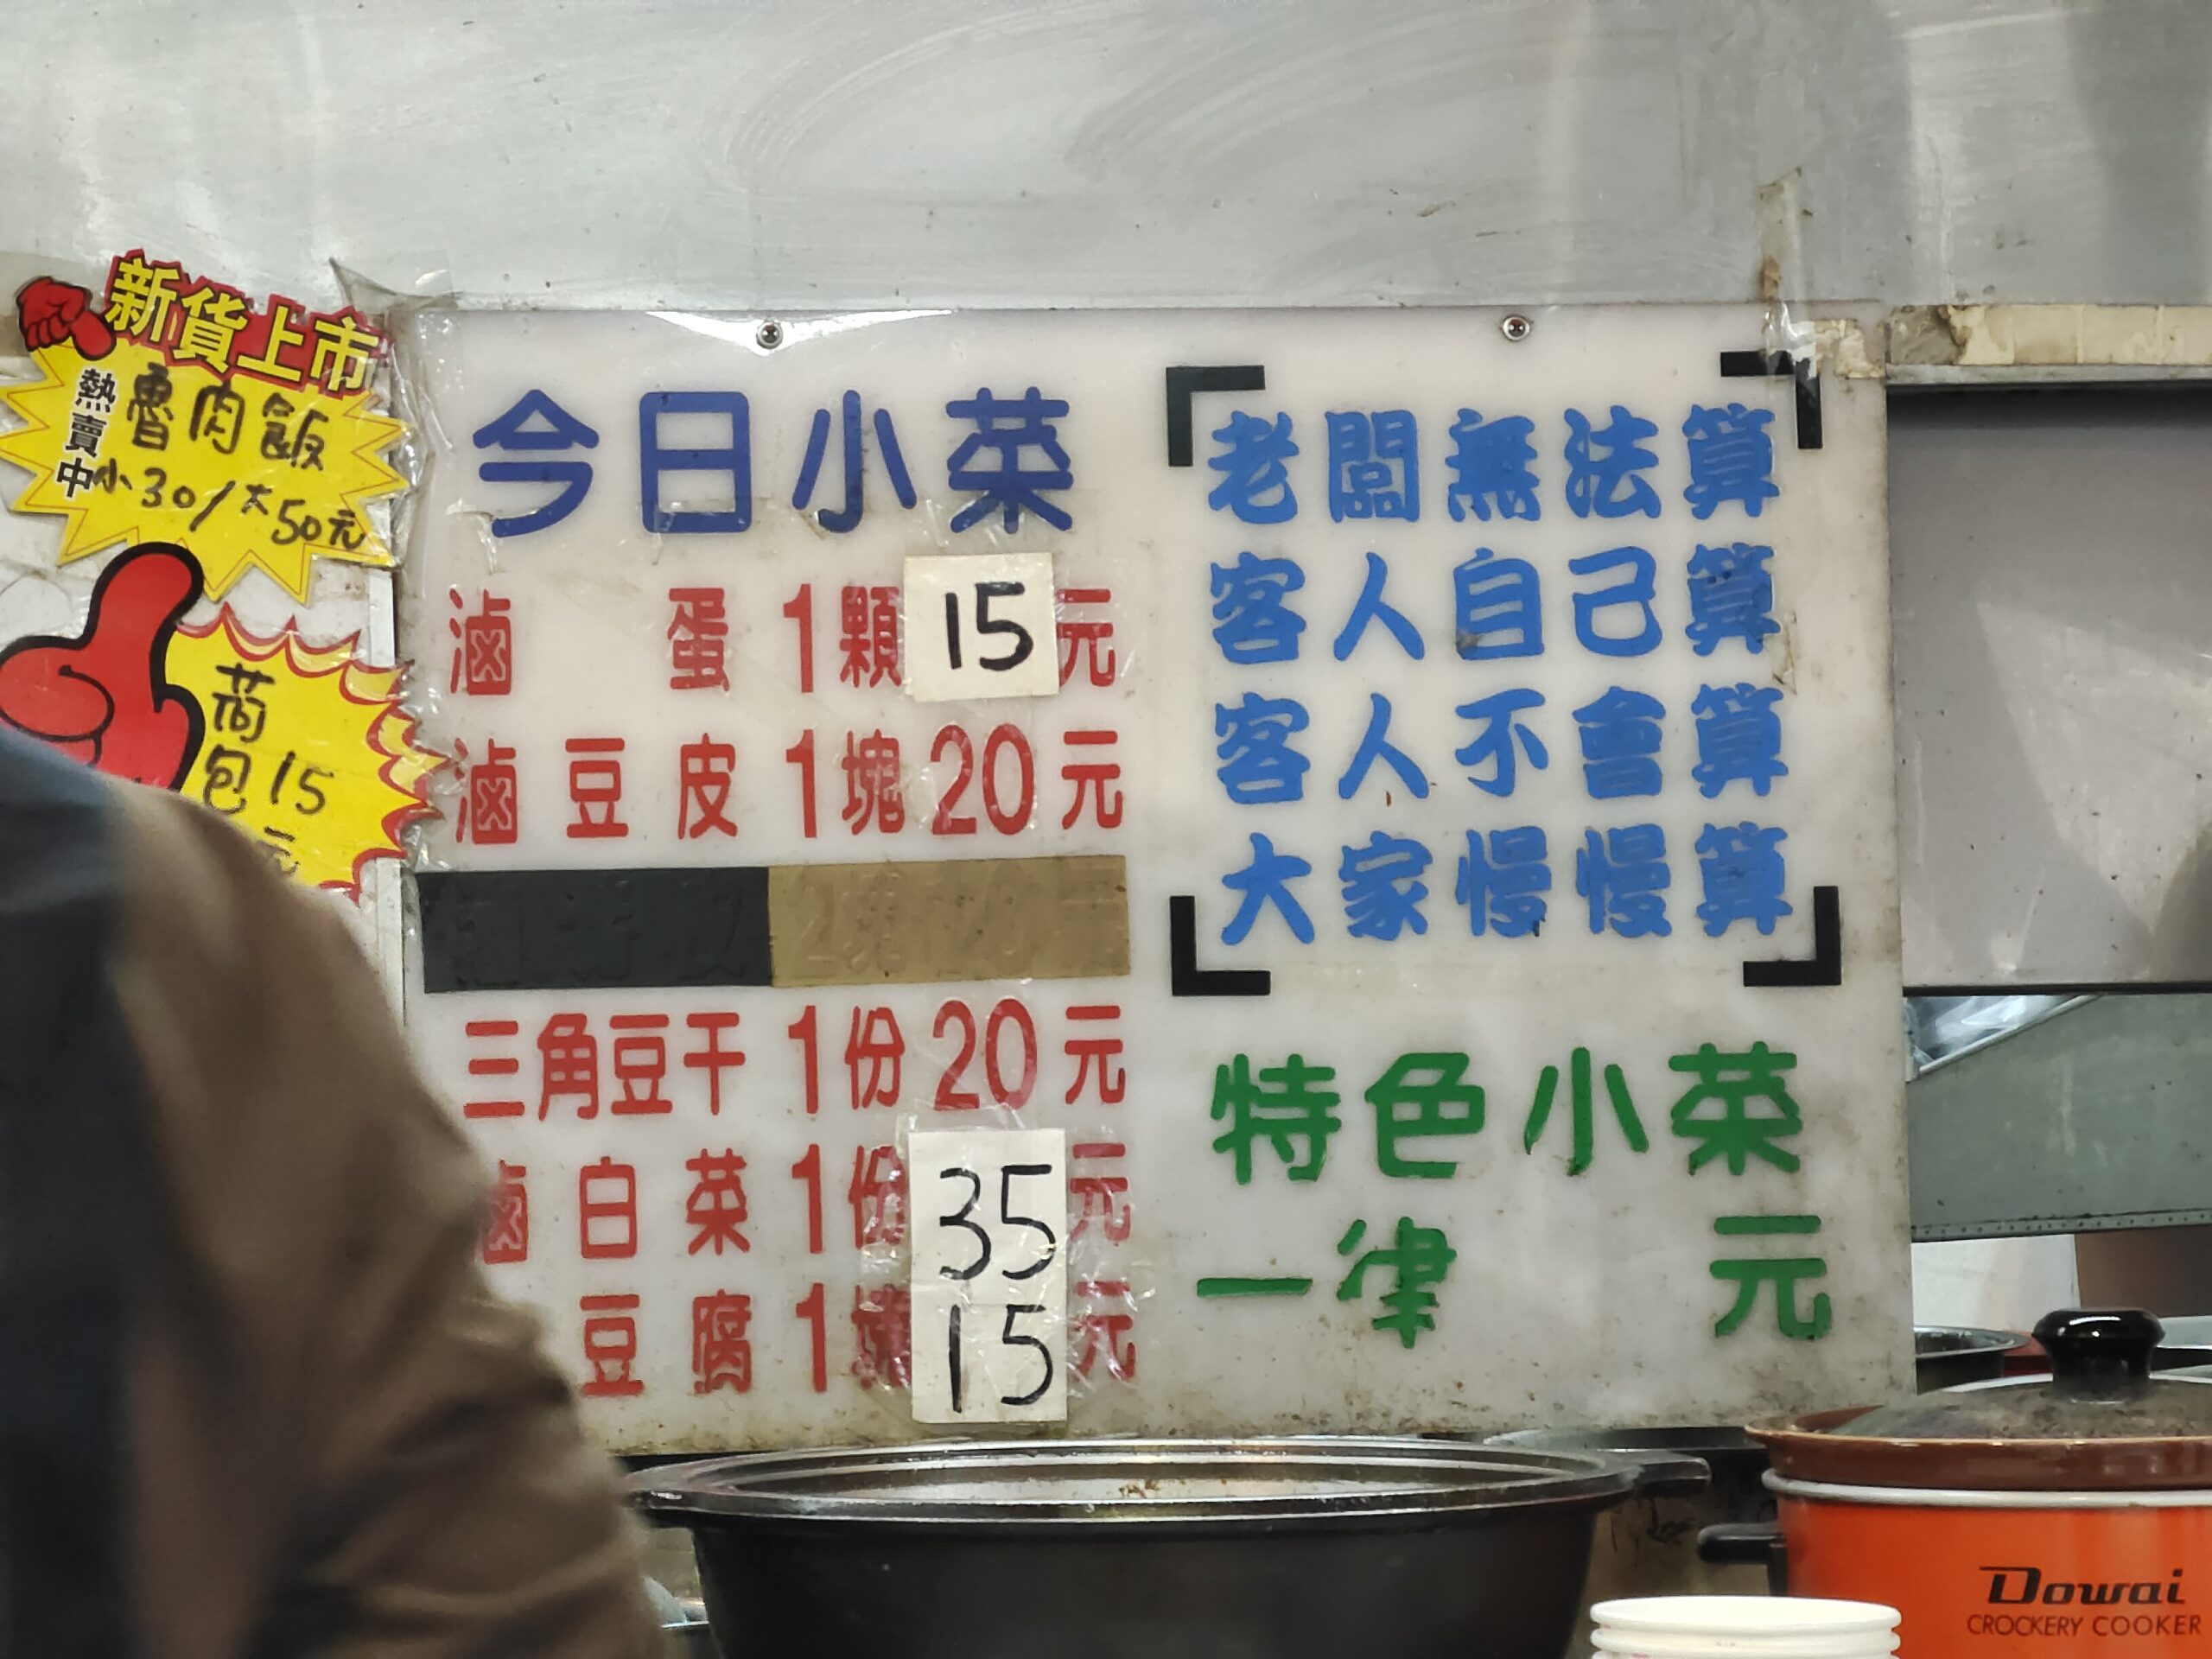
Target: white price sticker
x=990, y=1284
x=981, y=625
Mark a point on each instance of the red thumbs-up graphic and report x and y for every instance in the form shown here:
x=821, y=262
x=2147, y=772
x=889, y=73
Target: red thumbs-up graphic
x=105, y=698
x=50, y=311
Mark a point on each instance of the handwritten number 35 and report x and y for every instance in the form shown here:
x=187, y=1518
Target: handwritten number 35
x=964, y=1218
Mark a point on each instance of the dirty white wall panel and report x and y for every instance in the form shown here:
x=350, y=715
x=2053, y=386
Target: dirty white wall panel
x=702, y=153
x=2052, y=605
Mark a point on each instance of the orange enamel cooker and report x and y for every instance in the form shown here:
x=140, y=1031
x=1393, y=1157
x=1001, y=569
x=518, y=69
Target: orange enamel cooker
x=2069, y=1515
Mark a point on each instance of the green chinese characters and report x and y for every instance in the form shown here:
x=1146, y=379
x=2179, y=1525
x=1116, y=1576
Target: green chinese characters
x=1414, y=1261
x=1736, y=1112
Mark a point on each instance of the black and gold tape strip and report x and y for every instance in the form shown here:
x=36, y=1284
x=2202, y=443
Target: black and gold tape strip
x=805, y=924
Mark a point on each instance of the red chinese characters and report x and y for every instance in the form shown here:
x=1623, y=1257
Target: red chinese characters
x=610, y=1346
x=484, y=656
x=607, y=1057
x=1086, y=640
x=1090, y=773
x=874, y=796
x=715, y=1208
x=878, y=1196
x=640, y=1064
x=868, y=635
x=874, y=1042
x=698, y=640
x=506, y=1235
x=1105, y=1318
x=492, y=1065
x=568, y=1056
x=1097, y=1188
x=707, y=770
x=721, y=1353
x=1097, y=1054
x=596, y=788
x=711, y=1056
x=883, y=1336
x=570, y=1070
x=607, y=1211
x=491, y=813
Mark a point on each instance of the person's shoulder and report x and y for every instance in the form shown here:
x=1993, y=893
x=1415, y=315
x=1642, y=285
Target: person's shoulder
x=208, y=917
x=188, y=891
x=35, y=778
x=176, y=850
x=56, y=815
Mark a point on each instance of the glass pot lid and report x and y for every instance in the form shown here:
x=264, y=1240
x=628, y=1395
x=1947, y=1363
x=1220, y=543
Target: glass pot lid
x=2102, y=1420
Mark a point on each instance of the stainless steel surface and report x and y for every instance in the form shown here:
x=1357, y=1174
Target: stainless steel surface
x=2094, y=1121
x=2052, y=603
x=1948, y=1356
x=1930, y=1341
x=735, y=153
x=1059, y=1484
x=1943, y=1030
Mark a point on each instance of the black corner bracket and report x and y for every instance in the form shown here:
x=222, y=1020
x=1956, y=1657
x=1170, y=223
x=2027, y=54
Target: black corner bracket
x=1185, y=977
x=1802, y=371
x=1187, y=381
x=1823, y=968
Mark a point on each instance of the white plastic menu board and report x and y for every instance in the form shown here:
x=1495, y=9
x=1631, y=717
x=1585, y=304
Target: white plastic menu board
x=1435, y=868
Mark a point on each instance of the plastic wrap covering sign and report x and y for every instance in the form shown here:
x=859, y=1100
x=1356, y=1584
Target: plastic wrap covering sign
x=1440, y=900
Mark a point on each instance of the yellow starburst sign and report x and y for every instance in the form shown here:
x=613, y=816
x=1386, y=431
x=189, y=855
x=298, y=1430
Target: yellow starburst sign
x=176, y=412
x=305, y=747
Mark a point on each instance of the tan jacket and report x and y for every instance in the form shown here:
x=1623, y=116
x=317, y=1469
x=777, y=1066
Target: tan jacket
x=342, y=1444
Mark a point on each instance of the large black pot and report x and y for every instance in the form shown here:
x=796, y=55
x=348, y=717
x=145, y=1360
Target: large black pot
x=1148, y=1549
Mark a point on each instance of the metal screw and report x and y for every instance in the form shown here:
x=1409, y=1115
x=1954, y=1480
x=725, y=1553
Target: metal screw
x=1517, y=327
x=771, y=336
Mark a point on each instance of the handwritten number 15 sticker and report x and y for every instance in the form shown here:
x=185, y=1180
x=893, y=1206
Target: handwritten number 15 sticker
x=989, y=1275
x=980, y=625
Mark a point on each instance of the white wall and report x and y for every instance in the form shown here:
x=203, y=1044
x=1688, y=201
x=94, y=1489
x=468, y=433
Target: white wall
x=2005, y=1284
x=848, y=153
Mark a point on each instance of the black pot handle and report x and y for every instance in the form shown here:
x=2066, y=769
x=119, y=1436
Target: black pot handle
x=2096, y=1350
x=1748, y=1543
x=1672, y=1477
